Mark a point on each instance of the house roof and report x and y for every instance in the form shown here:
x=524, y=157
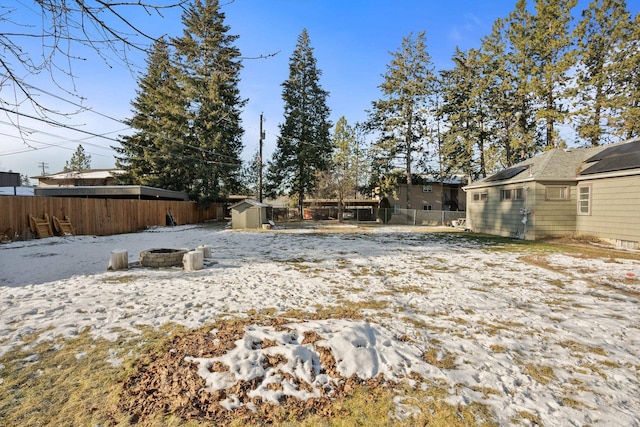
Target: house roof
x=82, y=174
x=112, y=192
x=614, y=158
x=568, y=165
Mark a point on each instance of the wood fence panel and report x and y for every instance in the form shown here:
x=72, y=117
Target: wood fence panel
x=98, y=216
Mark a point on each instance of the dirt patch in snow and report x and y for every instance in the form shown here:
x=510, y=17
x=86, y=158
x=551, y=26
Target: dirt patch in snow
x=167, y=382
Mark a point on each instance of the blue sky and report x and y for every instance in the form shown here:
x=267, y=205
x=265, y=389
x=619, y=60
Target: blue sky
x=352, y=41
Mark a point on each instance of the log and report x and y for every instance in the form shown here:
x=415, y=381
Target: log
x=193, y=260
x=206, y=251
x=119, y=260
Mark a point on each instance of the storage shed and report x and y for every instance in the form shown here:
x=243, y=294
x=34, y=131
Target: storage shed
x=248, y=214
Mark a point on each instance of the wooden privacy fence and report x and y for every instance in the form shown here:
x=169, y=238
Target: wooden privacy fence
x=100, y=217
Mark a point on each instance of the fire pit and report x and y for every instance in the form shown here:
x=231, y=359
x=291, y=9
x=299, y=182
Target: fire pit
x=162, y=257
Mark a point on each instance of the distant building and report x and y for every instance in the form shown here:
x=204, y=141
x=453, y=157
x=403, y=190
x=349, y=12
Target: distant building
x=430, y=193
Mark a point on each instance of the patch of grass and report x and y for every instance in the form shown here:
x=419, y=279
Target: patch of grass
x=540, y=373
x=116, y=280
x=71, y=382
x=575, y=404
x=498, y=348
x=343, y=309
x=583, y=348
x=486, y=391
x=417, y=323
x=586, y=367
x=412, y=289
x=439, y=358
x=525, y=415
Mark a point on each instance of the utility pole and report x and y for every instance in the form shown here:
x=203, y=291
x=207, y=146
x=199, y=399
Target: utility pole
x=44, y=166
x=260, y=163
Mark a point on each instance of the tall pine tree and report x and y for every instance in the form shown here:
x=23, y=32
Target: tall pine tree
x=464, y=106
x=209, y=70
x=187, y=111
x=626, y=99
x=501, y=103
x=155, y=155
x=553, y=58
x=525, y=141
x=403, y=117
x=304, y=144
x=599, y=36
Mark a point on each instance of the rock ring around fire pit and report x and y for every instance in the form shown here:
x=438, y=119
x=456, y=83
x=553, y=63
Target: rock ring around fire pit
x=158, y=258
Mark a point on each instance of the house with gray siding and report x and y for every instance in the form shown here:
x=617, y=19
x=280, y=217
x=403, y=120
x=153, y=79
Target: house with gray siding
x=584, y=191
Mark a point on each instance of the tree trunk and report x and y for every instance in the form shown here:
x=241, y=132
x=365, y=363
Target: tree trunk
x=408, y=158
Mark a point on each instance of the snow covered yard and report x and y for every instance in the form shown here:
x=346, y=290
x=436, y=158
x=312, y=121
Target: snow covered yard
x=536, y=334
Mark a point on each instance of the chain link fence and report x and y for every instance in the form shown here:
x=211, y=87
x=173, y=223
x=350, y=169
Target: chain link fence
x=390, y=216
x=420, y=217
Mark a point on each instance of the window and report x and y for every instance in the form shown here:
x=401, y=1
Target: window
x=427, y=188
x=584, y=200
x=426, y=207
x=557, y=193
x=518, y=194
x=396, y=209
x=512, y=194
x=480, y=197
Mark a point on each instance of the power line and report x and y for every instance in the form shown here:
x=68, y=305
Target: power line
x=164, y=137
x=52, y=123
x=48, y=145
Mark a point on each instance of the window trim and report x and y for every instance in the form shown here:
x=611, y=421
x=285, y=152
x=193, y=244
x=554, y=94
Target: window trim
x=427, y=188
x=427, y=207
x=517, y=194
x=580, y=200
x=566, y=196
x=512, y=194
x=480, y=196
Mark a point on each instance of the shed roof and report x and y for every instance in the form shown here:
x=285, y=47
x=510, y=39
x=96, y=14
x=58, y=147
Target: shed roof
x=251, y=202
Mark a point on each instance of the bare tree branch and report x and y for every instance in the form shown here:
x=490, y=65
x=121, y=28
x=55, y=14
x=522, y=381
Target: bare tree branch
x=64, y=26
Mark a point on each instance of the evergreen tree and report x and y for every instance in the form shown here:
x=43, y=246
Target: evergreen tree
x=209, y=71
x=79, y=161
x=464, y=106
x=502, y=102
x=304, y=144
x=553, y=58
x=155, y=154
x=599, y=36
x=187, y=111
x=402, y=116
x=626, y=100
x=519, y=27
x=251, y=176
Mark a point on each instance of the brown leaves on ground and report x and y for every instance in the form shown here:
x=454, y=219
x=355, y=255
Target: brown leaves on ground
x=164, y=384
